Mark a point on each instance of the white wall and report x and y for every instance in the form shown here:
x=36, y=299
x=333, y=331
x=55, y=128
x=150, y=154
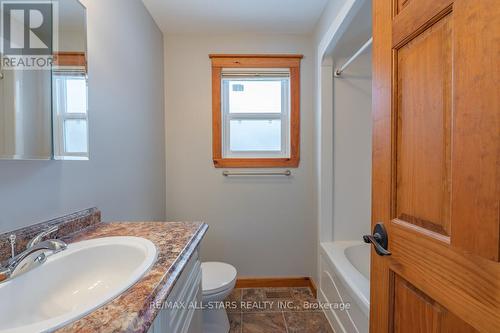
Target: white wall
x=25, y=114
x=336, y=33
x=125, y=177
x=330, y=12
x=71, y=41
x=352, y=147
x=327, y=28
x=263, y=226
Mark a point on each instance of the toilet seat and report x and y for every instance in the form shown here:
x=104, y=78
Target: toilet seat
x=217, y=277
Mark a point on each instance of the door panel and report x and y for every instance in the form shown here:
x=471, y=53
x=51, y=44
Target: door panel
x=402, y=4
x=416, y=17
x=415, y=312
x=436, y=179
x=466, y=285
x=423, y=155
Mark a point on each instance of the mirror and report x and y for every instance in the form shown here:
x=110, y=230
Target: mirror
x=69, y=84
x=43, y=81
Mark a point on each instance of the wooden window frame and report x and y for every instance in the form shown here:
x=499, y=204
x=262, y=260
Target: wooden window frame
x=290, y=62
x=73, y=59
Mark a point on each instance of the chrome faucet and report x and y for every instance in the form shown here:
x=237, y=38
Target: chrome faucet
x=38, y=238
x=35, y=254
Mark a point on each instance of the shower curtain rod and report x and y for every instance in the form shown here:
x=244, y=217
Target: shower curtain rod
x=366, y=45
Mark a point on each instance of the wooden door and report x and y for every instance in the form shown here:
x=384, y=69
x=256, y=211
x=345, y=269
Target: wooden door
x=436, y=165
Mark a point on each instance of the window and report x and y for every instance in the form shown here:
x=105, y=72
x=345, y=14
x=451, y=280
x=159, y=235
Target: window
x=70, y=116
x=255, y=115
x=256, y=110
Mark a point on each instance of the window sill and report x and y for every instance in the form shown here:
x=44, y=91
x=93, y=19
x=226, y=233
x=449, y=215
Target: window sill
x=256, y=163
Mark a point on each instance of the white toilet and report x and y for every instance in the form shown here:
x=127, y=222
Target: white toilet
x=218, y=280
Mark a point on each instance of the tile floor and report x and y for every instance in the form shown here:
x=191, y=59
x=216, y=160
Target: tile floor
x=275, y=310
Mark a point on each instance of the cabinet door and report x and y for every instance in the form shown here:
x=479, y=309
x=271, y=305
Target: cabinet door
x=180, y=313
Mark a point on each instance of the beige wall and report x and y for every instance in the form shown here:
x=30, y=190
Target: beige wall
x=263, y=226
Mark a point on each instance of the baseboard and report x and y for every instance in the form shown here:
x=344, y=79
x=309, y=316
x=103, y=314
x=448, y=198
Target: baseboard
x=276, y=282
x=312, y=285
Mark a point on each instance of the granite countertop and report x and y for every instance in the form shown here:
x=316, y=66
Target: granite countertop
x=132, y=311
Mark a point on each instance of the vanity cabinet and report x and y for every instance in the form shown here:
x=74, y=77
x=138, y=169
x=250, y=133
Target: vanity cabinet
x=182, y=313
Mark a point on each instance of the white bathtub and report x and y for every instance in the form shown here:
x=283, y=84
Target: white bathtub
x=345, y=278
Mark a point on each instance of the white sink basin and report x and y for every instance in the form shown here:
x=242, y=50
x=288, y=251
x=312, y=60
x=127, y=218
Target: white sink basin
x=73, y=283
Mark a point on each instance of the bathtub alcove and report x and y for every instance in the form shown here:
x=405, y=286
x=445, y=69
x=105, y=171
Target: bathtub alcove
x=345, y=159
